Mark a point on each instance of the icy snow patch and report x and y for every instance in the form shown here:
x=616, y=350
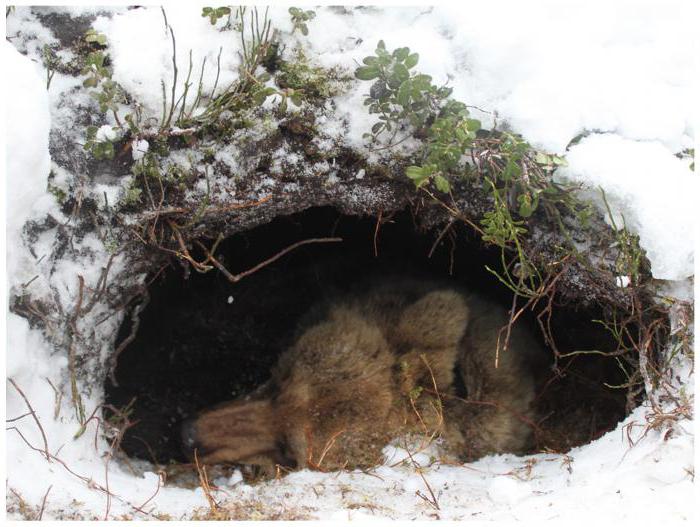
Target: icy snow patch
x=654, y=190
x=28, y=164
x=139, y=148
x=105, y=133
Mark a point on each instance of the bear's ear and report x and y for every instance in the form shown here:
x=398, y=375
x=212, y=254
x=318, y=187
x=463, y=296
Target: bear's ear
x=439, y=319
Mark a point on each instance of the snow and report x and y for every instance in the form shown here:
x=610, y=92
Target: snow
x=28, y=166
x=139, y=148
x=651, y=188
x=105, y=133
x=548, y=70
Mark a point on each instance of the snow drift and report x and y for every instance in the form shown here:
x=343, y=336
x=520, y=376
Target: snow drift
x=549, y=73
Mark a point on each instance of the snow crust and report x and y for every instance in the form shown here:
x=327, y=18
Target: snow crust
x=650, y=188
x=28, y=160
x=548, y=70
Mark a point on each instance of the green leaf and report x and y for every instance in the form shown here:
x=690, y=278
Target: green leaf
x=108, y=150
x=411, y=60
x=377, y=127
x=444, y=92
x=297, y=99
x=394, y=81
x=283, y=105
x=422, y=82
x=511, y=171
x=442, y=184
x=401, y=71
x=541, y=159
x=526, y=206
x=381, y=46
x=304, y=30
x=403, y=95
x=370, y=61
x=400, y=54
x=367, y=73
x=90, y=82
x=473, y=125
x=420, y=175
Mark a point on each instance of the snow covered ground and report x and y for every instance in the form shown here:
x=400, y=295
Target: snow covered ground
x=549, y=71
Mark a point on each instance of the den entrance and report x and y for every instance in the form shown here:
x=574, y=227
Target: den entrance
x=203, y=340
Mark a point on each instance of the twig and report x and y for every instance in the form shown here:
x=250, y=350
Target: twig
x=154, y=494
x=227, y=208
x=43, y=503
x=328, y=446
x=376, y=233
x=58, y=397
x=433, y=501
x=100, y=287
x=454, y=212
x=18, y=418
x=135, y=323
x=36, y=419
x=441, y=236
x=204, y=482
x=238, y=277
x=88, y=481
x=27, y=284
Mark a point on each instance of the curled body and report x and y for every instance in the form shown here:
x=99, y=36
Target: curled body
x=406, y=357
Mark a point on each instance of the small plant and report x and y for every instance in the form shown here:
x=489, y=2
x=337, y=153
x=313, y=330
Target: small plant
x=630, y=254
x=99, y=147
x=449, y=138
x=688, y=153
x=57, y=192
x=132, y=196
x=250, y=88
x=398, y=95
x=95, y=69
x=94, y=37
x=404, y=98
x=300, y=18
x=107, y=97
x=50, y=62
x=215, y=13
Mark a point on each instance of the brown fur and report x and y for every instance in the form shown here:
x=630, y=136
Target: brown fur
x=364, y=371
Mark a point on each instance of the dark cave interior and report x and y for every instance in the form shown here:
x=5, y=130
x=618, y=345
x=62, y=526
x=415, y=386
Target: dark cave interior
x=203, y=340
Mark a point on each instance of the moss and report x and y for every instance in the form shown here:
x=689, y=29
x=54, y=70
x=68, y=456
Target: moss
x=314, y=82
x=58, y=193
